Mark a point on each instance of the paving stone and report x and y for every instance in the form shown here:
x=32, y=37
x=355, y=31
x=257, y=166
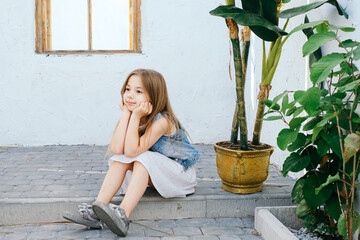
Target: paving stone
x=187, y=231
x=209, y=237
x=159, y=232
x=229, y=222
x=221, y=230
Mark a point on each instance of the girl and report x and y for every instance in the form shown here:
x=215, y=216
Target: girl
x=150, y=147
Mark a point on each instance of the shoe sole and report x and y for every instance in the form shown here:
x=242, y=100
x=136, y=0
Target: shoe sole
x=104, y=213
x=87, y=223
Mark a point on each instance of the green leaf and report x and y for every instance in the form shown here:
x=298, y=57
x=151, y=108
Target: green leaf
x=341, y=225
x=291, y=111
x=315, y=200
x=333, y=207
x=295, y=163
x=346, y=68
x=296, y=122
x=297, y=191
x=321, y=28
x=344, y=29
x=316, y=132
x=322, y=68
x=299, y=142
x=349, y=44
x=343, y=81
x=292, y=12
x=356, y=53
x=311, y=124
x=245, y=18
x=285, y=137
x=327, y=118
x=266, y=9
x=305, y=26
x=351, y=145
x=298, y=111
x=329, y=180
x=285, y=103
x=316, y=41
x=350, y=86
x=272, y=118
x=302, y=209
x=310, y=99
x=322, y=147
x=333, y=140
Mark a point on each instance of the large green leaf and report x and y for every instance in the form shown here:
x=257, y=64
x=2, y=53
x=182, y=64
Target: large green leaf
x=299, y=142
x=266, y=9
x=292, y=12
x=322, y=68
x=322, y=147
x=350, y=86
x=296, y=122
x=302, y=209
x=285, y=137
x=349, y=43
x=295, y=163
x=333, y=206
x=315, y=200
x=351, y=145
x=341, y=225
x=311, y=124
x=246, y=18
x=329, y=180
x=309, y=99
x=332, y=139
x=297, y=192
x=316, y=41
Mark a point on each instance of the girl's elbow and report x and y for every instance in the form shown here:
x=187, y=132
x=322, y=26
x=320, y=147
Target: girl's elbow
x=116, y=151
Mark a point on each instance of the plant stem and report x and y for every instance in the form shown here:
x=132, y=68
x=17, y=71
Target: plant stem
x=240, y=114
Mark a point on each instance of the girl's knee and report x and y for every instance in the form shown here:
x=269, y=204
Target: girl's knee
x=116, y=164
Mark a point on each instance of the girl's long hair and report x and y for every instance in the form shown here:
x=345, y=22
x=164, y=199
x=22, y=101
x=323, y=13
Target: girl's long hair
x=154, y=84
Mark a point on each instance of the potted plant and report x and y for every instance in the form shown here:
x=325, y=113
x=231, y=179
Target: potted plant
x=322, y=134
x=243, y=166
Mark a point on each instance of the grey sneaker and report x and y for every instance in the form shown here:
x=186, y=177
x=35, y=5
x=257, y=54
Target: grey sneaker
x=84, y=215
x=113, y=216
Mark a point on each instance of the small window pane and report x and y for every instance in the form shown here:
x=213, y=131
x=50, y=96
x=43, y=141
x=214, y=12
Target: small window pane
x=69, y=25
x=110, y=24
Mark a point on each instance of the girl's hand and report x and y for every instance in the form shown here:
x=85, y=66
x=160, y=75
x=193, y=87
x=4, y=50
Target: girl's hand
x=144, y=109
x=123, y=107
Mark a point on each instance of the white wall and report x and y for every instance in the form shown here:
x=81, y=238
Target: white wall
x=73, y=99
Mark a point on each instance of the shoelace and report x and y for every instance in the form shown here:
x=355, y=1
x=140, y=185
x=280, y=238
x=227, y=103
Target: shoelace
x=120, y=212
x=87, y=212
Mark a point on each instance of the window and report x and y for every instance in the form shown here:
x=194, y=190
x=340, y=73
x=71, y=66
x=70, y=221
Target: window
x=89, y=26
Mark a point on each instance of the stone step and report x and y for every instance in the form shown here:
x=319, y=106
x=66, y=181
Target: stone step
x=152, y=206
x=39, y=183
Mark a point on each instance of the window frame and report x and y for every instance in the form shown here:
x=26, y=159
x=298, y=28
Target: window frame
x=43, y=30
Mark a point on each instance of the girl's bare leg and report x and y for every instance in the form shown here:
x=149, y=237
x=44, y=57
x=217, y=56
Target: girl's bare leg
x=136, y=189
x=113, y=180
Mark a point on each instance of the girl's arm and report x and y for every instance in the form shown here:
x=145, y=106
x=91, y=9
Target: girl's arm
x=118, y=139
x=135, y=145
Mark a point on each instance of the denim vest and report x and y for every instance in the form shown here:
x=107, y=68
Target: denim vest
x=177, y=147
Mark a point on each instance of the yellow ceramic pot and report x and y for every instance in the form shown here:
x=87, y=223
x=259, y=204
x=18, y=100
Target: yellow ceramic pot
x=242, y=171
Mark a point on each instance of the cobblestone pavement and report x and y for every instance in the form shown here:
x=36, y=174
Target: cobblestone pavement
x=70, y=172
x=78, y=171
x=183, y=229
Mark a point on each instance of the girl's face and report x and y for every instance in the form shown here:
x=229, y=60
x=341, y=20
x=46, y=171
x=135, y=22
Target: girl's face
x=135, y=93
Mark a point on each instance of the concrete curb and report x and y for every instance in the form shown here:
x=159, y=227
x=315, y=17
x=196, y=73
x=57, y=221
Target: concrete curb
x=37, y=210
x=269, y=222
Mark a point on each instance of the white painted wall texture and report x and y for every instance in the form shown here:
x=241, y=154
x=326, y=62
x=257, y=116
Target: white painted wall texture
x=73, y=99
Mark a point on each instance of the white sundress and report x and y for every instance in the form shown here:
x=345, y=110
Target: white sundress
x=169, y=177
